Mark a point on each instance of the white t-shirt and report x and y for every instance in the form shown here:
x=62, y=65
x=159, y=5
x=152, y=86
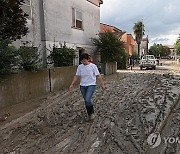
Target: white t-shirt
x=87, y=74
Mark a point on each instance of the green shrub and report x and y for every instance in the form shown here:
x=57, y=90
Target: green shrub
x=123, y=60
x=8, y=57
x=135, y=56
x=62, y=56
x=28, y=58
x=177, y=48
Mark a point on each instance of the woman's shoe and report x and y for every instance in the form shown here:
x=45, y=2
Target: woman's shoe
x=92, y=117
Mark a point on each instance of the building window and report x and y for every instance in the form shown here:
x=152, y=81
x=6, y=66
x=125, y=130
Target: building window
x=77, y=21
x=26, y=7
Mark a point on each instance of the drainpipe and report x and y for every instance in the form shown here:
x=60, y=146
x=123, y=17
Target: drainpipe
x=42, y=33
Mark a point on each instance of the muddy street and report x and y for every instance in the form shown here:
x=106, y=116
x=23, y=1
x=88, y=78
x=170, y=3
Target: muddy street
x=136, y=104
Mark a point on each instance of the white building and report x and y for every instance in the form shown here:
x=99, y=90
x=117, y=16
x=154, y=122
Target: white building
x=173, y=54
x=144, y=46
x=56, y=21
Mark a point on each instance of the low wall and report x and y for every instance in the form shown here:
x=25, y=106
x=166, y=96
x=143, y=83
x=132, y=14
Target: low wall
x=29, y=85
x=23, y=86
x=62, y=77
x=110, y=68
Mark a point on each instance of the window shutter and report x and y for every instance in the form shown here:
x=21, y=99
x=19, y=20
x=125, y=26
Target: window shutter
x=73, y=18
x=79, y=19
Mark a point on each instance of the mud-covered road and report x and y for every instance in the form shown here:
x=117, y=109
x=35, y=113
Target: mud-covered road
x=135, y=105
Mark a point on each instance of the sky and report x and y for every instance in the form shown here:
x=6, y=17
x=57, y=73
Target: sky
x=160, y=17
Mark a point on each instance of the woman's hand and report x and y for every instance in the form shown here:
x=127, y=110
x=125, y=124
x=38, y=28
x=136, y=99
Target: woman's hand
x=71, y=87
x=73, y=82
x=103, y=88
x=101, y=82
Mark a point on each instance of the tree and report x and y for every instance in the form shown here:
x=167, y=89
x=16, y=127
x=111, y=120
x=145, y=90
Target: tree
x=110, y=47
x=12, y=27
x=8, y=57
x=159, y=50
x=178, y=39
x=138, y=30
x=166, y=51
x=177, y=45
x=13, y=20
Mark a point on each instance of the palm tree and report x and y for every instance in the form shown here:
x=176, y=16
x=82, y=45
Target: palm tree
x=138, y=30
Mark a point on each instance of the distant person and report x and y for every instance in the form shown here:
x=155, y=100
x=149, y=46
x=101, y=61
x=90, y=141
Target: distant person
x=87, y=72
x=158, y=61
x=131, y=62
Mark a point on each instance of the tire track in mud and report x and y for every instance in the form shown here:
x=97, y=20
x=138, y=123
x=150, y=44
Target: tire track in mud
x=135, y=145
x=86, y=134
x=40, y=114
x=165, y=124
x=139, y=116
x=117, y=139
x=50, y=101
x=160, y=118
x=59, y=125
x=136, y=108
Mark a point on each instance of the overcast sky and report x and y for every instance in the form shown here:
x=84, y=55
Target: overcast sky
x=160, y=17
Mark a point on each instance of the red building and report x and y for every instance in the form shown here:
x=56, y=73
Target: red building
x=129, y=42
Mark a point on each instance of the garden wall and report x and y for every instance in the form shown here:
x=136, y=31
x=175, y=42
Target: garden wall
x=24, y=86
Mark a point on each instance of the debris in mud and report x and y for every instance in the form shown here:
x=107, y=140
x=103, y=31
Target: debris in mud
x=4, y=117
x=134, y=105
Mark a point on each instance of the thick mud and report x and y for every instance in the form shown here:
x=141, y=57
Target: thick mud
x=135, y=105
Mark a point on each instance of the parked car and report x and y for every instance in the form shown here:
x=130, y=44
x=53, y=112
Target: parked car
x=148, y=61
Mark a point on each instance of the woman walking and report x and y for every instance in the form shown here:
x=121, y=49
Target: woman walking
x=87, y=72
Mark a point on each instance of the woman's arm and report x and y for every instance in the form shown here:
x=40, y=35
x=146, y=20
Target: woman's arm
x=101, y=82
x=76, y=77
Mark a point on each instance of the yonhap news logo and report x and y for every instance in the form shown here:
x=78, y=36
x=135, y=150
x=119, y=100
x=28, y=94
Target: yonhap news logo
x=155, y=139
